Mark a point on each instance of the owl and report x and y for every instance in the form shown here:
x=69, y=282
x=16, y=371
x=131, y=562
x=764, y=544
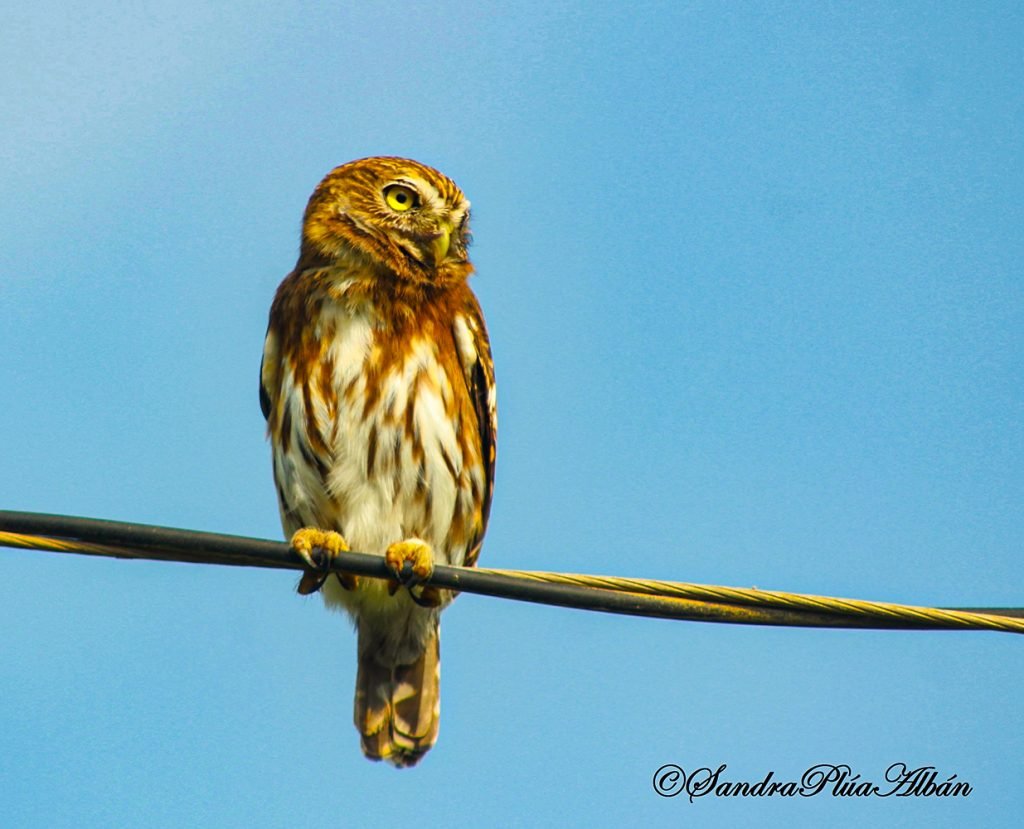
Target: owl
x=378, y=390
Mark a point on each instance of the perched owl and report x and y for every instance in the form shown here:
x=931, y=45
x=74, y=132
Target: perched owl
x=378, y=390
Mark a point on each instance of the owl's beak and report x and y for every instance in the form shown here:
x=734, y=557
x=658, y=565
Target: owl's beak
x=441, y=243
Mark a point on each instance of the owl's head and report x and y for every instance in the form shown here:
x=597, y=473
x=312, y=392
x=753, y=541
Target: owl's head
x=404, y=217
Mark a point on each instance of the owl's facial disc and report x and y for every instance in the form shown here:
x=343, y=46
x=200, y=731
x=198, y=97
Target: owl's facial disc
x=423, y=217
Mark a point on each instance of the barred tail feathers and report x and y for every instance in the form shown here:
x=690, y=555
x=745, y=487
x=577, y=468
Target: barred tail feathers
x=398, y=708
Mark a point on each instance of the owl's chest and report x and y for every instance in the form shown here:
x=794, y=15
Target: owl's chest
x=376, y=445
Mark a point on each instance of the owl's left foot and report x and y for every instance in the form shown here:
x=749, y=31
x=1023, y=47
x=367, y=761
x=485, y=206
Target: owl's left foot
x=412, y=562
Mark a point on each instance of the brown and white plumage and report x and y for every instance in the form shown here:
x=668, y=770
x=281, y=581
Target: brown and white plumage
x=378, y=389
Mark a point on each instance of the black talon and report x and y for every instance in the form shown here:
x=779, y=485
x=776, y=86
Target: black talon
x=407, y=576
x=313, y=580
x=428, y=596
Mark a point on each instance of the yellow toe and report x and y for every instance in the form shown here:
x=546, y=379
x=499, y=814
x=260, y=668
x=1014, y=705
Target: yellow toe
x=416, y=553
x=318, y=548
x=308, y=539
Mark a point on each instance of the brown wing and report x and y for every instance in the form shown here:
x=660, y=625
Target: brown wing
x=269, y=373
x=265, y=402
x=474, y=349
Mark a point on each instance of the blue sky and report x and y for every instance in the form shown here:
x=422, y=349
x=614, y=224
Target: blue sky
x=753, y=278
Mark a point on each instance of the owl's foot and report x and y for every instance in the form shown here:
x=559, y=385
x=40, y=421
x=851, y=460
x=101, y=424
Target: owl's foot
x=412, y=562
x=318, y=548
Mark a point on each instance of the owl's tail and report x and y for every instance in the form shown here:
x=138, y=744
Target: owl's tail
x=398, y=709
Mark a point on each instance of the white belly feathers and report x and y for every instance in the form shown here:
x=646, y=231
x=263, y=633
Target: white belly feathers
x=377, y=466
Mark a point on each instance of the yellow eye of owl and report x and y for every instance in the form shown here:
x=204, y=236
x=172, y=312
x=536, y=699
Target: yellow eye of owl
x=401, y=198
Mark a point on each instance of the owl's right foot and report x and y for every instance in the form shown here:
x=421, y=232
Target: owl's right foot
x=318, y=548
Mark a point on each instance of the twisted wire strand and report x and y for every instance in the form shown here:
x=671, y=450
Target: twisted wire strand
x=995, y=619
x=630, y=596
